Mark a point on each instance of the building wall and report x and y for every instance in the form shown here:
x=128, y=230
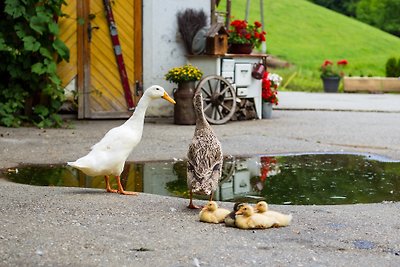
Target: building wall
x=163, y=47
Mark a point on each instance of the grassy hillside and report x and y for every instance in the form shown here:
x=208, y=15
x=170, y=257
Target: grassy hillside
x=306, y=34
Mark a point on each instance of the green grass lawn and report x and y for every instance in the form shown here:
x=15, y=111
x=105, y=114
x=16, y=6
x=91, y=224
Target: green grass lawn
x=306, y=34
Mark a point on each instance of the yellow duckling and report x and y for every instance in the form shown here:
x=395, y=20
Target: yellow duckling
x=283, y=219
x=212, y=214
x=248, y=219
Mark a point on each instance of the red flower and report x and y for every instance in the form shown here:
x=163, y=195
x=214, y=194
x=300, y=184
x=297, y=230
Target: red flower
x=329, y=70
x=268, y=90
x=266, y=163
x=327, y=62
x=241, y=32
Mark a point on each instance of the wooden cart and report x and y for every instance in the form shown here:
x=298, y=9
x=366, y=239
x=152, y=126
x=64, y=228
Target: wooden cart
x=227, y=80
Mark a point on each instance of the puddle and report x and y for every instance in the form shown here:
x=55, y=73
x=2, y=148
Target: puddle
x=363, y=244
x=303, y=179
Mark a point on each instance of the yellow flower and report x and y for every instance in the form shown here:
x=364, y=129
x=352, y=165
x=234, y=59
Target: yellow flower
x=183, y=73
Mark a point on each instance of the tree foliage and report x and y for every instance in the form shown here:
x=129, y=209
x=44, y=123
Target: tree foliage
x=29, y=50
x=347, y=7
x=383, y=14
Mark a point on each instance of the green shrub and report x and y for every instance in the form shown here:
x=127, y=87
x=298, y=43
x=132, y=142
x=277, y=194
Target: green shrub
x=30, y=48
x=392, y=67
x=398, y=68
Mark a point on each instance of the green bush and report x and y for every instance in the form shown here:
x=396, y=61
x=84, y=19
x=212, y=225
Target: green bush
x=392, y=67
x=30, y=48
x=398, y=68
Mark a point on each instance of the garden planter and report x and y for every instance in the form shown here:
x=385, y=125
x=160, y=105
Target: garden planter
x=371, y=84
x=266, y=110
x=331, y=84
x=183, y=109
x=240, y=48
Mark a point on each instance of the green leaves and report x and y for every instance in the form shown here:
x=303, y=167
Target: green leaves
x=39, y=23
x=30, y=45
x=61, y=49
x=14, y=8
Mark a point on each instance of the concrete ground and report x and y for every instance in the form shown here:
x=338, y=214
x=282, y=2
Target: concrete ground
x=53, y=226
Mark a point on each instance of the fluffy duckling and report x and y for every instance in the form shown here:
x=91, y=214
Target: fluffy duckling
x=230, y=219
x=283, y=219
x=247, y=219
x=212, y=214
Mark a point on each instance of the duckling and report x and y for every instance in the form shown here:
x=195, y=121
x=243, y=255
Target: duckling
x=212, y=214
x=247, y=219
x=230, y=219
x=283, y=219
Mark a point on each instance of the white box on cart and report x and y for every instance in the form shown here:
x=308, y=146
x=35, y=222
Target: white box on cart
x=228, y=65
x=243, y=74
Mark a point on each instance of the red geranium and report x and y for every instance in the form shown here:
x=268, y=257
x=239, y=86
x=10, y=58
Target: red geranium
x=257, y=24
x=328, y=69
x=270, y=83
x=241, y=32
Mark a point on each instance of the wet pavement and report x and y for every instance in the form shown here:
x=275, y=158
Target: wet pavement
x=53, y=226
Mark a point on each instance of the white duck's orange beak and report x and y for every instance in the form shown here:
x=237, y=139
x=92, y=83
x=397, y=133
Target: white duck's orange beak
x=168, y=98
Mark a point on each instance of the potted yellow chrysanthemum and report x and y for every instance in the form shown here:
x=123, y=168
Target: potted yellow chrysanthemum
x=185, y=77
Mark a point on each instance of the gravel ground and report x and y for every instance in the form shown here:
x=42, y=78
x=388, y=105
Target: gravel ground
x=54, y=226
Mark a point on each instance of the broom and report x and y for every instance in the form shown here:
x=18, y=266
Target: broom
x=190, y=22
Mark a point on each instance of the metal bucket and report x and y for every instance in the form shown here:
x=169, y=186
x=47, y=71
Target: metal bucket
x=183, y=109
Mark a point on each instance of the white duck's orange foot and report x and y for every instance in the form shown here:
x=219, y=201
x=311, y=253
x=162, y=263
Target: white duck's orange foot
x=109, y=190
x=129, y=193
x=121, y=188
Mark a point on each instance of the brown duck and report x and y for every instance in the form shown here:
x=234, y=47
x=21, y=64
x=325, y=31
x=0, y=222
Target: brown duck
x=204, y=156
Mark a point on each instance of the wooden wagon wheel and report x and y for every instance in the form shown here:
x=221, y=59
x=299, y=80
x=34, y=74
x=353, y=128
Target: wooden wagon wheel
x=228, y=169
x=219, y=99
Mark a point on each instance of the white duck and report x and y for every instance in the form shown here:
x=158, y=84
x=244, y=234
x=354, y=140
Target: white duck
x=108, y=156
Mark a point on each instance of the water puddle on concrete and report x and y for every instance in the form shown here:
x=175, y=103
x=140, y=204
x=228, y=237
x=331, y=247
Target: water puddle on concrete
x=303, y=179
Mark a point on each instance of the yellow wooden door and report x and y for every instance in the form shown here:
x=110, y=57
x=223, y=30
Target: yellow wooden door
x=68, y=71
x=100, y=90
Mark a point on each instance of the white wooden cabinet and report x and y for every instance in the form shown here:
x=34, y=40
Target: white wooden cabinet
x=236, y=68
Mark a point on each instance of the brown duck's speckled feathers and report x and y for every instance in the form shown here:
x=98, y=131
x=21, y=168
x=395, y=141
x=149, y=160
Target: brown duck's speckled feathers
x=205, y=156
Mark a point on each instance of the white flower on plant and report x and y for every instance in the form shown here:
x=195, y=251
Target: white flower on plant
x=275, y=78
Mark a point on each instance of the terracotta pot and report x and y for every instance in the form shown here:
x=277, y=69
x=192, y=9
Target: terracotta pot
x=240, y=48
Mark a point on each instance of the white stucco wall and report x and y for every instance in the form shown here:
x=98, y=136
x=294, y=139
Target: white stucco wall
x=163, y=47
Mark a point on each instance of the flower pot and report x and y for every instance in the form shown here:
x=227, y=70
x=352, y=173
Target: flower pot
x=240, y=48
x=266, y=110
x=331, y=84
x=183, y=109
